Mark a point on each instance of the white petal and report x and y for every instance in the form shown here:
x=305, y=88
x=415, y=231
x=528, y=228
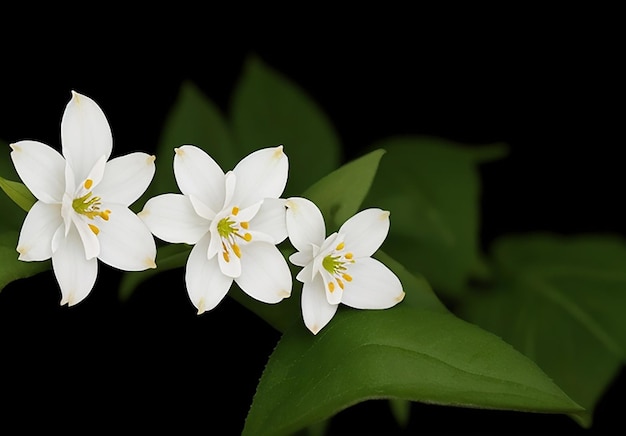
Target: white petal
x=373, y=286
x=125, y=241
x=75, y=274
x=265, y=275
x=301, y=258
x=41, y=168
x=334, y=296
x=206, y=285
x=261, y=174
x=271, y=219
x=199, y=175
x=365, y=232
x=316, y=310
x=85, y=135
x=91, y=244
x=35, y=241
x=305, y=223
x=230, y=264
x=172, y=218
x=201, y=209
x=126, y=178
x=97, y=172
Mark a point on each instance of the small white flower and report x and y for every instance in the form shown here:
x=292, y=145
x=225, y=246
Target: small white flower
x=339, y=268
x=234, y=221
x=82, y=213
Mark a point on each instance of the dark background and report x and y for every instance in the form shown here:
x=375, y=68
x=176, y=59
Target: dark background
x=549, y=88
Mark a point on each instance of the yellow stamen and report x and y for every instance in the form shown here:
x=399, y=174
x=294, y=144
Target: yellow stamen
x=235, y=210
x=349, y=256
x=247, y=237
x=347, y=277
x=331, y=286
x=340, y=283
x=94, y=229
x=88, y=184
x=340, y=246
x=237, y=250
x=226, y=256
x=244, y=224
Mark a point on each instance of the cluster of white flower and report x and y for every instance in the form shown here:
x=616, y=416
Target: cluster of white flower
x=234, y=220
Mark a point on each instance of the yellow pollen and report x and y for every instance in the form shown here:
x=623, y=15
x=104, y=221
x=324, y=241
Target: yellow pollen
x=349, y=256
x=226, y=256
x=340, y=246
x=237, y=250
x=340, y=283
x=88, y=184
x=244, y=224
x=331, y=286
x=94, y=229
x=247, y=237
x=347, y=277
x=235, y=210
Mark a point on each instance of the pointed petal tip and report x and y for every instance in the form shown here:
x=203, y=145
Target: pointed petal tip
x=400, y=297
x=284, y=293
x=150, y=263
x=384, y=215
x=15, y=147
x=201, y=307
x=278, y=153
x=314, y=329
x=151, y=159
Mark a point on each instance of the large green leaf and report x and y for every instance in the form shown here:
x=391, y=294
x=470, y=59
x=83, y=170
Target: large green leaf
x=12, y=214
x=10, y=267
x=340, y=194
x=431, y=186
x=194, y=120
x=19, y=193
x=560, y=301
x=403, y=352
x=269, y=110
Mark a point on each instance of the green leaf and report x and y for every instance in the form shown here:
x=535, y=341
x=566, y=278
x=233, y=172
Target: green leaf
x=168, y=257
x=268, y=110
x=431, y=187
x=12, y=214
x=402, y=353
x=19, y=193
x=194, y=120
x=339, y=194
x=560, y=301
x=11, y=268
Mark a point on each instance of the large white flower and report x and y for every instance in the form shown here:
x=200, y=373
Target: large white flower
x=234, y=221
x=339, y=268
x=82, y=213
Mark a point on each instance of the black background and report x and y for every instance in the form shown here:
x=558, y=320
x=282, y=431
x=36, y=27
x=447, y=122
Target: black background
x=550, y=88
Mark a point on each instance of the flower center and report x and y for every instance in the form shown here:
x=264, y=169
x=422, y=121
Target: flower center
x=336, y=264
x=230, y=230
x=89, y=206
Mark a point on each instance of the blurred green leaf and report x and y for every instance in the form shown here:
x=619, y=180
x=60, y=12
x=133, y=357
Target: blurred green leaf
x=11, y=268
x=194, y=120
x=403, y=353
x=339, y=194
x=19, y=193
x=12, y=214
x=269, y=110
x=560, y=301
x=169, y=257
x=431, y=187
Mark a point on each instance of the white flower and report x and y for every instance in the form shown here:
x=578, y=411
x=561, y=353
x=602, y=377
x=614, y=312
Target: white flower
x=234, y=221
x=82, y=213
x=339, y=268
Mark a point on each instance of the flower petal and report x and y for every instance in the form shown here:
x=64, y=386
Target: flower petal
x=261, y=174
x=172, y=218
x=35, y=241
x=305, y=223
x=199, y=175
x=301, y=258
x=85, y=134
x=41, y=168
x=126, y=178
x=365, y=232
x=265, y=275
x=91, y=243
x=270, y=219
x=125, y=241
x=75, y=274
x=373, y=286
x=229, y=262
x=206, y=285
x=316, y=310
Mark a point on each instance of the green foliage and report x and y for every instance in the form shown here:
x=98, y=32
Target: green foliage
x=560, y=301
x=405, y=353
x=12, y=268
x=431, y=186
